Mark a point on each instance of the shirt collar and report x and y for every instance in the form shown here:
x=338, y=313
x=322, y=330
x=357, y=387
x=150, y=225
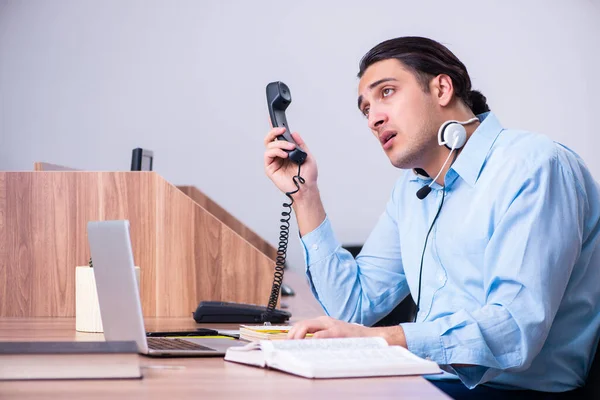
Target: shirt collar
x=469, y=163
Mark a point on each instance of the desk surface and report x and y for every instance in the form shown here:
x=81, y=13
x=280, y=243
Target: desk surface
x=200, y=378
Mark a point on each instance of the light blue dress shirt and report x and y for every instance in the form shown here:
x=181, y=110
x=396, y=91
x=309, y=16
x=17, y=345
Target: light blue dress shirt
x=511, y=275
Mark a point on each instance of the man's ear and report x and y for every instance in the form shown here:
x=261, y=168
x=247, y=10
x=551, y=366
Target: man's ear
x=443, y=89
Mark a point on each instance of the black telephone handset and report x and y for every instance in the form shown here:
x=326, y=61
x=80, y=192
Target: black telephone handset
x=278, y=100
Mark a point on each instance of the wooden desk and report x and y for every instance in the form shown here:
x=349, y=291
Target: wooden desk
x=201, y=378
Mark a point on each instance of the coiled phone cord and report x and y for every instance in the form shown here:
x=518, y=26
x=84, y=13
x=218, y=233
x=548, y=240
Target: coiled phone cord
x=282, y=248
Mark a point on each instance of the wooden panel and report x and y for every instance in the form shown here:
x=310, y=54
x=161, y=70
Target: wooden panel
x=175, y=266
x=225, y=217
x=117, y=196
x=142, y=214
x=46, y=236
x=4, y=246
x=132, y=196
x=51, y=242
x=88, y=207
x=17, y=290
x=39, y=233
x=246, y=273
x=185, y=254
x=207, y=256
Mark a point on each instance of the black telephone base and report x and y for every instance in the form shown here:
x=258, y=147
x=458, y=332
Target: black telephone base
x=229, y=312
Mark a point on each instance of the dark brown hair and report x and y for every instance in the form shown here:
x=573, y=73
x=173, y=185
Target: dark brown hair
x=427, y=58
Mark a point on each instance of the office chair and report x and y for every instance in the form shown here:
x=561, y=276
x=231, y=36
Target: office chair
x=591, y=390
x=286, y=290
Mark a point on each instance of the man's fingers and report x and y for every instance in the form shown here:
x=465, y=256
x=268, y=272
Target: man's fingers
x=281, y=144
x=271, y=154
x=300, y=330
x=326, y=333
x=273, y=133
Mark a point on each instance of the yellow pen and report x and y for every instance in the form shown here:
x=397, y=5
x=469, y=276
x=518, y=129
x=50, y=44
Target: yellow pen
x=205, y=337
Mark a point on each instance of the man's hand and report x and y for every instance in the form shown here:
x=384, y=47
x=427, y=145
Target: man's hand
x=327, y=327
x=281, y=170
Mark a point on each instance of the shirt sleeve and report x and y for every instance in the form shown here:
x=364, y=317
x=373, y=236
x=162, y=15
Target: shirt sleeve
x=364, y=289
x=527, y=265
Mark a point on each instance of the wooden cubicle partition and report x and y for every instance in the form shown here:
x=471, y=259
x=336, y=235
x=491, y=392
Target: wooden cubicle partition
x=205, y=202
x=236, y=225
x=185, y=253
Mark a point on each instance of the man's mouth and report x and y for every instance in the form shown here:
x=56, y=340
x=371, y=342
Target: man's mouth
x=386, y=139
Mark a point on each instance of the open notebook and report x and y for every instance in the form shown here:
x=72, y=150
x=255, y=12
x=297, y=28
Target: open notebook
x=332, y=358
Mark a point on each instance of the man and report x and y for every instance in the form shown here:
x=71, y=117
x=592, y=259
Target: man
x=501, y=257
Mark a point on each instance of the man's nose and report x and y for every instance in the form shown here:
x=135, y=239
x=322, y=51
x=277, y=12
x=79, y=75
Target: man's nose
x=376, y=119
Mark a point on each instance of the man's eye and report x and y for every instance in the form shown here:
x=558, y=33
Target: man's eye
x=366, y=111
x=387, y=91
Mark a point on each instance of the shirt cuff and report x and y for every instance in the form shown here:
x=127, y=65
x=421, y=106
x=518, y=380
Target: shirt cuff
x=425, y=340
x=319, y=243
x=475, y=375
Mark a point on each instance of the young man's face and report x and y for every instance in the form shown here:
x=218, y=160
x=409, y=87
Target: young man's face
x=400, y=114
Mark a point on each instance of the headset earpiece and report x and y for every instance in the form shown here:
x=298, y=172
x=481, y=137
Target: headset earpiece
x=455, y=135
x=452, y=134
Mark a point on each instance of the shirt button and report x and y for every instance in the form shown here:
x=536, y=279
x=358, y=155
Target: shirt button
x=441, y=277
x=315, y=247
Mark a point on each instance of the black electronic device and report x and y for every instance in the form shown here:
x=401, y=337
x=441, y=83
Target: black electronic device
x=279, y=98
x=197, y=332
x=141, y=159
x=286, y=290
x=241, y=313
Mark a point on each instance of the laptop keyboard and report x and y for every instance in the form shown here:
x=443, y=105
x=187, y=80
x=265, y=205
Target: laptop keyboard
x=174, y=344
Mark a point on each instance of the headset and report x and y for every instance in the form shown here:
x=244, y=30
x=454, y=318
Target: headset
x=453, y=135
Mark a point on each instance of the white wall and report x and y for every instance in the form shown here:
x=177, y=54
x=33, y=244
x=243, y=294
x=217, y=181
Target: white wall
x=84, y=82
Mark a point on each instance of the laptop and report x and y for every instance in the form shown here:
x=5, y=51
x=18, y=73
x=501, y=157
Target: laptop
x=119, y=299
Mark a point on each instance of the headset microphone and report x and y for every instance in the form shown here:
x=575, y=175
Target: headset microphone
x=423, y=192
